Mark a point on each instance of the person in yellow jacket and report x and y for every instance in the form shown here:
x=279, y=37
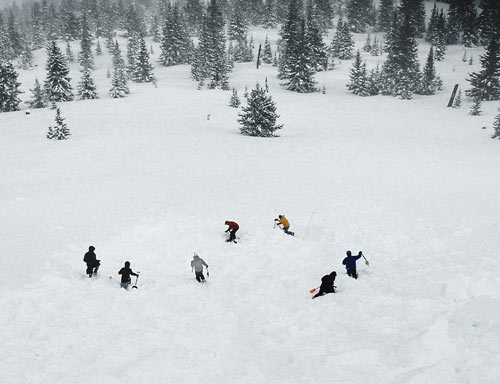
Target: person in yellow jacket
x=282, y=220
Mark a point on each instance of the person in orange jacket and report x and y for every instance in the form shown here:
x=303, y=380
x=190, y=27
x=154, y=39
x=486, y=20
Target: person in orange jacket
x=232, y=229
x=282, y=220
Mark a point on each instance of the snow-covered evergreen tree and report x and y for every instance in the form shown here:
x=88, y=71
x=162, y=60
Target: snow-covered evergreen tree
x=342, y=44
x=358, y=15
x=496, y=126
x=314, y=38
x=488, y=20
x=86, y=88
x=85, y=57
x=9, y=88
x=267, y=54
x=58, y=83
x=358, y=77
x=60, y=130
x=400, y=72
x=15, y=37
x=486, y=83
x=143, y=70
x=210, y=59
x=26, y=57
x=70, y=56
x=457, y=102
x=385, y=12
x=118, y=88
x=270, y=17
x=176, y=45
x=38, y=97
x=258, y=117
x=475, y=109
x=413, y=11
x=132, y=52
x=119, y=68
x=430, y=82
x=234, y=101
x=98, y=48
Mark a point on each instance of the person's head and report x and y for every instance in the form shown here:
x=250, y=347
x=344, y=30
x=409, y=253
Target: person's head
x=195, y=256
x=127, y=264
x=348, y=253
x=226, y=222
x=280, y=216
x=91, y=248
x=333, y=274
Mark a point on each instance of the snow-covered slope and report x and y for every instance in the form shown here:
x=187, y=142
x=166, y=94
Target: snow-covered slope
x=151, y=179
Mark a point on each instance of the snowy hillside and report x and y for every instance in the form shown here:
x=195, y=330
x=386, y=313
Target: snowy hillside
x=151, y=178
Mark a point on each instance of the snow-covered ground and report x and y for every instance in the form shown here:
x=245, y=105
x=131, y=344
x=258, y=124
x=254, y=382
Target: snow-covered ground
x=151, y=179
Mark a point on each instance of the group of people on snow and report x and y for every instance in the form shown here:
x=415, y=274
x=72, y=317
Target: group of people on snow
x=197, y=264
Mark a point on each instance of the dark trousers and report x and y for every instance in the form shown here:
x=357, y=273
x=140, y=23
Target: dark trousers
x=199, y=276
x=93, y=267
x=288, y=232
x=352, y=272
x=232, y=234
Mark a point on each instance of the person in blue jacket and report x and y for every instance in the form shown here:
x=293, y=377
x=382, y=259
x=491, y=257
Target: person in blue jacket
x=350, y=263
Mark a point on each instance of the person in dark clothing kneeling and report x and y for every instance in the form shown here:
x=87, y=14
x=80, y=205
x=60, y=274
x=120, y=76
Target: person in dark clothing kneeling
x=92, y=263
x=126, y=272
x=326, y=286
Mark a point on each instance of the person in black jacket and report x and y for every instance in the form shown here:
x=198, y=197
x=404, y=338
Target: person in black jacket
x=126, y=272
x=326, y=286
x=92, y=263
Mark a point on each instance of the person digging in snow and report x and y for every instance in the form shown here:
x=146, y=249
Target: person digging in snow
x=197, y=264
x=326, y=286
x=92, y=263
x=126, y=272
x=232, y=229
x=350, y=263
x=282, y=220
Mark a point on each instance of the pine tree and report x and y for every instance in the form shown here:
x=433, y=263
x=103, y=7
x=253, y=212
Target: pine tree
x=143, y=70
x=430, y=82
x=16, y=40
x=132, y=52
x=9, y=88
x=38, y=97
x=458, y=100
x=70, y=57
x=119, y=68
x=176, y=45
x=496, y=126
x=475, y=109
x=489, y=20
x=486, y=83
x=358, y=77
x=314, y=38
x=85, y=57
x=358, y=15
x=86, y=88
x=400, y=72
x=210, y=59
x=270, y=18
x=258, y=117
x=342, y=44
x=193, y=9
x=58, y=83
x=385, y=13
x=469, y=24
x=413, y=11
x=98, y=49
x=267, y=54
x=38, y=33
x=234, y=101
x=60, y=131
x=26, y=58
x=118, y=88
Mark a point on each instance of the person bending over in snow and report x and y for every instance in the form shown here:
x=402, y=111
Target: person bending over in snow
x=197, y=264
x=326, y=286
x=126, y=272
x=350, y=263
x=232, y=229
x=92, y=263
x=282, y=220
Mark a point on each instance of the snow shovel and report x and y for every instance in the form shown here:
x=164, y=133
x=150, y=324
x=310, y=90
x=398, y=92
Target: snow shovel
x=135, y=284
x=311, y=291
x=366, y=261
